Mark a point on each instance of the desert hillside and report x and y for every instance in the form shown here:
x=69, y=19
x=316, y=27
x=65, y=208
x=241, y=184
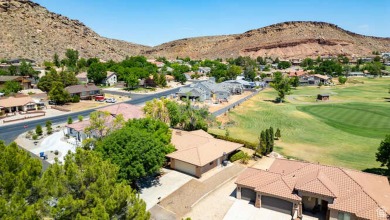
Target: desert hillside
x=29, y=30
x=286, y=40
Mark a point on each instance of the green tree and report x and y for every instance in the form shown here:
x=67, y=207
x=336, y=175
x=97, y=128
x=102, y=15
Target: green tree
x=70, y=120
x=342, y=80
x=81, y=63
x=281, y=85
x=12, y=86
x=139, y=148
x=101, y=124
x=262, y=149
x=163, y=80
x=250, y=73
x=233, y=71
x=48, y=127
x=71, y=57
x=13, y=70
x=19, y=172
x=86, y=187
x=56, y=60
x=38, y=130
x=97, y=72
x=284, y=65
x=278, y=134
x=58, y=94
x=295, y=81
x=383, y=154
x=132, y=81
x=26, y=69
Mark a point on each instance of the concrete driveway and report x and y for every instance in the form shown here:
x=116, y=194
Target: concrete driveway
x=162, y=187
x=241, y=209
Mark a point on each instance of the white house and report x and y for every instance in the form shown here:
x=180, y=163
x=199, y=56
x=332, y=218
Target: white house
x=112, y=79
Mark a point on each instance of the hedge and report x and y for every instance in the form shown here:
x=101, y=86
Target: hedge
x=237, y=156
x=245, y=143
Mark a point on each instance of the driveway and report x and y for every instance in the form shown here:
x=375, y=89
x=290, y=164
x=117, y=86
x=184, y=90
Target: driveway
x=162, y=187
x=242, y=209
x=54, y=142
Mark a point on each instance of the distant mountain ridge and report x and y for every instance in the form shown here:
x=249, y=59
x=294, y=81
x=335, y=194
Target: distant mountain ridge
x=29, y=30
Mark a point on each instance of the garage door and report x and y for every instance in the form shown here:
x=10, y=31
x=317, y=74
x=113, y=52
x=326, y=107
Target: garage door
x=248, y=194
x=185, y=167
x=276, y=204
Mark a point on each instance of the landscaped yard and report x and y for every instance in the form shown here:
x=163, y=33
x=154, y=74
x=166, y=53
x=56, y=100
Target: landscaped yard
x=345, y=131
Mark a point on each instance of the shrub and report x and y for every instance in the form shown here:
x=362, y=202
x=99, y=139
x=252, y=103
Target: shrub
x=70, y=120
x=75, y=99
x=56, y=152
x=245, y=158
x=35, y=137
x=237, y=156
x=80, y=117
x=246, y=144
x=38, y=130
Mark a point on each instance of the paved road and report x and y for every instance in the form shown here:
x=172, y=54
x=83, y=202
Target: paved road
x=8, y=133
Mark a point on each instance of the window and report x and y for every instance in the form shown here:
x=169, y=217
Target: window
x=211, y=163
x=344, y=216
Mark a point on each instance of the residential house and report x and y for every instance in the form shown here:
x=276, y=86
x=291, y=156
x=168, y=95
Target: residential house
x=192, y=93
x=357, y=74
x=128, y=111
x=111, y=79
x=18, y=61
x=333, y=193
x=87, y=91
x=204, y=70
x=24, y=82
x=15, y=104
x=241, y=84
x=197, y=152
x=82, y=77
x=315, y=79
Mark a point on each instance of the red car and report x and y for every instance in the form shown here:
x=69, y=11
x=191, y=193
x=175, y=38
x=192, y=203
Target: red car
x=99, y=98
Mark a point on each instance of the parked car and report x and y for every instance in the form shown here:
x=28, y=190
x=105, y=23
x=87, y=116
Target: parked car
x=111, y=100
x=51, y=102
x=99, y=98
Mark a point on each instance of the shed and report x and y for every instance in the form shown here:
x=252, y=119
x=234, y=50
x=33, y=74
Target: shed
x=323, y=97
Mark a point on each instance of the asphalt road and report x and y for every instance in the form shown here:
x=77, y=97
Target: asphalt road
x=8, y=133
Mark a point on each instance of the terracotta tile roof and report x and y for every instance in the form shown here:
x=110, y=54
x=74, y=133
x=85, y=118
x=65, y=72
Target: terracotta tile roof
x=297, y=73
x=16, y=101
x=198, y=147
x=81, y=88
x=356, y=192
x=79, y=126
x=127, y=110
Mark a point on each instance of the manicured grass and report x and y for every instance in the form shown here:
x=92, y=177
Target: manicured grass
x=346, y=131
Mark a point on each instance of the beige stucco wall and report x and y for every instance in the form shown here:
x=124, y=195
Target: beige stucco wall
x=309, y=205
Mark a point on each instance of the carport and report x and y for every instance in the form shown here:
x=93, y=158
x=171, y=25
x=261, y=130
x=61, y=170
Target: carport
x=276, y=204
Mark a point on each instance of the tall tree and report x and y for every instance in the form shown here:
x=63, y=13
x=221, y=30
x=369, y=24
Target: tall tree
x=97, y=72
x=58, y=93
x=102, y=124
x=71, y=57
x=383, y=154
x=19, y=172
x=56, y=60
x=139, y=148
x=86, y=187
x=281, y=85
x=12, y=86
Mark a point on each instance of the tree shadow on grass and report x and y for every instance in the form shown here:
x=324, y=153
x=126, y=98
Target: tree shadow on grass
x=378, y=171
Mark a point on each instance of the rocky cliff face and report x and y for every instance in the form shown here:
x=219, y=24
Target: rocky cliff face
x=285, y=40
x=30, y=31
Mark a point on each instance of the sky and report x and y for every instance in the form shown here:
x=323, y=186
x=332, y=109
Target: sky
x=152, y=22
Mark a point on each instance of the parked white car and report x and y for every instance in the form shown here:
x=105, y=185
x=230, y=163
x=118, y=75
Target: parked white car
x=110, y=100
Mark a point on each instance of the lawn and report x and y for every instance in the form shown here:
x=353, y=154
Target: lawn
x=345, y=131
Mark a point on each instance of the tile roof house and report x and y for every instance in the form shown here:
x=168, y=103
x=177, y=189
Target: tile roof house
x=24, y=82
x=296, y=187
x=128, y=111
x=198, y=152
x=15, y=104
x=88, y=91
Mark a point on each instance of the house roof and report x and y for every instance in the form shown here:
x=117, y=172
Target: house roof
x=79, y=126
x=321, y=76
x=9, y=78
x=297, y=73
x=82, y=75
x=81, y=88
x=353, y=191
x=109, y=74
x=127, y=110
x=198, y=147
x=15, y=101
